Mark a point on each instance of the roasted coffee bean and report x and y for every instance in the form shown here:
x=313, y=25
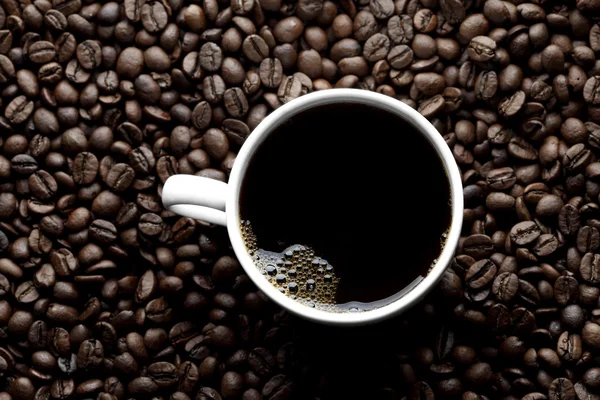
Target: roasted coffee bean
x=271, y=72
x=42, y=185
x=478, y=246
x=102, y=231
x=568, y=220
x=85, y=168
x=23, y=164
x=566, y=290
x=163, y=373
x=236, y=103
x=588, y=239
x=26, y=293
x=64, y=262
x=590, y=268
x=89, y=54
x=591, y=90
x=154, y=16
x=505, y=286
x=202, y=114
x=41, y=52
x=18, y=110
x=400, y=56
x=120, y=177
x=501, y=178
x=480, y=274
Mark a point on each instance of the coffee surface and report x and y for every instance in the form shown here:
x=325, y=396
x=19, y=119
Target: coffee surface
x=345, y=207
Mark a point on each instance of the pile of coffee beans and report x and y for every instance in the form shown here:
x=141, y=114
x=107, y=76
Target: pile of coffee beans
x=105, y=295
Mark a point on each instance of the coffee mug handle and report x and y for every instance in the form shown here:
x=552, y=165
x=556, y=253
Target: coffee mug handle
x=196, y=197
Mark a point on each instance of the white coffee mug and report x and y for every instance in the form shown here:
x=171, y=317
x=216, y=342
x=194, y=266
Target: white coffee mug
x=218, y=203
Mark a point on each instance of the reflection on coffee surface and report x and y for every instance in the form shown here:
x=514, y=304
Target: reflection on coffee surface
x=345, y=207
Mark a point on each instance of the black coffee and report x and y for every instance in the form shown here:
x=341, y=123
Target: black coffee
x=345, y=207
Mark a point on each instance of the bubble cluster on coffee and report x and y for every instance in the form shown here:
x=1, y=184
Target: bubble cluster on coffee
x=296, y=271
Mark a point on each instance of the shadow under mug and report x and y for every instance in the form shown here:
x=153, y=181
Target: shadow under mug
x=217, y=202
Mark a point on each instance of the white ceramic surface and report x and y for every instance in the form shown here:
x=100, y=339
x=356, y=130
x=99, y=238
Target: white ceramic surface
x=217, y=202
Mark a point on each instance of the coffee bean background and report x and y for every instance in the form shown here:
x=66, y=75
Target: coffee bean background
x=105, y=295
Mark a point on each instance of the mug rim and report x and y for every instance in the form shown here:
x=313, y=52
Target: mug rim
x=318, y=99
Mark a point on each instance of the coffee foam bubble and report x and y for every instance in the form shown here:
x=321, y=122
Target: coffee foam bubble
x=295, y=272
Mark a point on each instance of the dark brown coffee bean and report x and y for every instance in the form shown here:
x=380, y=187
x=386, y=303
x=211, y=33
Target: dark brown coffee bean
x=591, y=90
x=62, y=314
x=26, y=293
x=569, y=347
x=102, y=231
x=235, y=102
x=553, y=59
x=400, y=56
x=154, y=16
x=576, y=158
x=216, y=143
x=63, y=262
x=165, y=167
x=545, y=245
x=164, y=374
x=157, y=60
x=288, y=29
x=22, y=388
x=232, y=71
x=566, y=290
x=6, y=40
x=18, y=110
x=133, y=9
x=486, y=85
x=213, y=88
x=85, y=168
x=142, y=160
x=147, y=285
x=528, y=294
x=520, y=149
x=23, y=164
x=211, y=57
x=271, y=72
x=376, y=47
x=481, y=49
x=255, y=48
x=381, y=9
x=561, y=388
x=425, y=20
x=510, y=106
x=208, y=393
x=236, y=130
x=150, y=224
x=478, y=246
x=501, y=178
x=588, y=239
x=74, y=73
x=42, y=185
x=289, y=89
x=505, y=286
x=7, y=69
x=89, y=54
x=480, y=274
x=130, y=62
x=431, y=106
x=120, y=177
x=568, y=220
x=41, y=52
x=590, y=268
x=400, y=29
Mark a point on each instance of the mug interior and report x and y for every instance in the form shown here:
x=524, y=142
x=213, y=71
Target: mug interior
x=349, y=96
